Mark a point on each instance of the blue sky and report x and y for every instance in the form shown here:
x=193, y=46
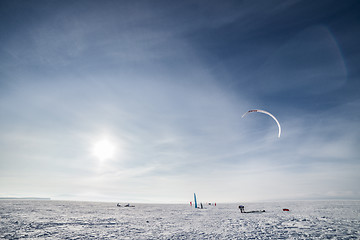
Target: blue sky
x=160, y=88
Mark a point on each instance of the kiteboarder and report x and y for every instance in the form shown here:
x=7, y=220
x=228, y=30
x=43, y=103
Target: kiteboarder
x=242, y=208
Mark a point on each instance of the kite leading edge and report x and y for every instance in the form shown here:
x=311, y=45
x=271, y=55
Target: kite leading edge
x=267, y=113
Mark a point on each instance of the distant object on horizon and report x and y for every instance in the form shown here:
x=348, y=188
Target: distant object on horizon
x=267, y=113
x=195, y=203
x=242, y=210
x=127, y=205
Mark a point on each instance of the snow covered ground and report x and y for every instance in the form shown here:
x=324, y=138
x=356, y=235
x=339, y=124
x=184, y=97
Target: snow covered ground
x=90, y=220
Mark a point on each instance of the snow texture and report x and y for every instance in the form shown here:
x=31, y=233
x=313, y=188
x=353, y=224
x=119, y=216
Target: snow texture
x=91, y=220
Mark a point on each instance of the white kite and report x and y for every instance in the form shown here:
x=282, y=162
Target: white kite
x=265, y=112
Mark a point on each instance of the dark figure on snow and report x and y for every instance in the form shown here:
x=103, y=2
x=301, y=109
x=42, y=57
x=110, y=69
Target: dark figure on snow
x=242, y=208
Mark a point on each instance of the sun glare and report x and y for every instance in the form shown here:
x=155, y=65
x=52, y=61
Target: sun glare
x=104, y=150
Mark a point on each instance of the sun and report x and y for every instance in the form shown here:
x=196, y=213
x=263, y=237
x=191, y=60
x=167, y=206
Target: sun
x=104, y=149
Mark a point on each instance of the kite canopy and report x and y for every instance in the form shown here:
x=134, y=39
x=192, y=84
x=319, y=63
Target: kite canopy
x=267, y=113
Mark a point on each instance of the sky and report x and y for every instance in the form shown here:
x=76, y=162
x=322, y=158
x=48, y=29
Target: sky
x=141, y=101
